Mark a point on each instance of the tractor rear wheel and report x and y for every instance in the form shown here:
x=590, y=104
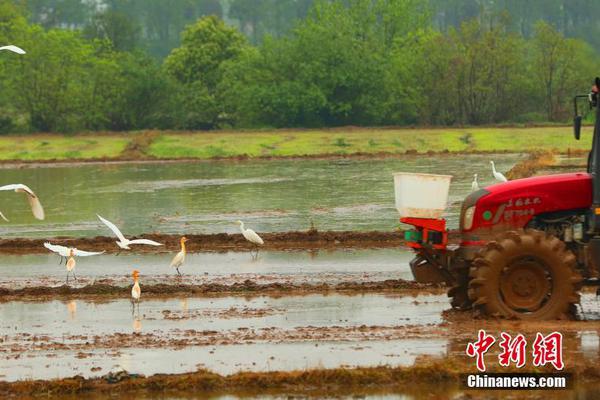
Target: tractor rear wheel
x=525, y=275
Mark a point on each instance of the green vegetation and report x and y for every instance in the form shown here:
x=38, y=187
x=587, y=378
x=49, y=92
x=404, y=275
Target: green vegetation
x=288, y=143
x=59, y=147
x=344, y=62
x=360, y=141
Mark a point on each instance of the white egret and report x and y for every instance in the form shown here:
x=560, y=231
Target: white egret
x=179, y=258
x=498, y=175
x=123, y=242
x=70, y=253
x=136, y=291
x=474, y=184
x=251, y=236
x=34, y=201
x=13, y=48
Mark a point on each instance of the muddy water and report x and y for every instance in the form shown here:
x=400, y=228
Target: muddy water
x=229, y=267
x=43, y=340
x=68, y=320
x=208, y=197
x=221, y=359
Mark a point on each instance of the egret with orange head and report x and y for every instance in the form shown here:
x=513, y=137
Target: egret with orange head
x=136, y=291
x=179, y=258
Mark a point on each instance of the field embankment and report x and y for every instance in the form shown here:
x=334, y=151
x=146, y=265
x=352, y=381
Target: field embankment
x=295, y=240
x=339, y=142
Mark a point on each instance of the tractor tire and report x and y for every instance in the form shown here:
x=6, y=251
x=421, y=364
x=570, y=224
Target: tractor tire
x=459, y=292
x=525, y=275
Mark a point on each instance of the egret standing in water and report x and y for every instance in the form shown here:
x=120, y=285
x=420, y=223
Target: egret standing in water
x=474, y=184
x=136, y=291
x=34, y=201
x=179, y=258
x=498, y=175
x=251, y=236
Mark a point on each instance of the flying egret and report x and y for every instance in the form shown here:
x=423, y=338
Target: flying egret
x=251, y=236
x=179, y=258
x=13, y=48
x=70, y=253
x=136, y=292
x=475, y=184
x=34, y=201
x=498, y=175
x=123, y=242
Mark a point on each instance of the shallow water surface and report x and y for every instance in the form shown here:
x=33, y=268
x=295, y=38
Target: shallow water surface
x=65, y=321
x=223, y=359
x=227, y=267
x=208, y=197
x=44, y=340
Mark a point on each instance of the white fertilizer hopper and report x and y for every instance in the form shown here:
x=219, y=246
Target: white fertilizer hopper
x=421, y=195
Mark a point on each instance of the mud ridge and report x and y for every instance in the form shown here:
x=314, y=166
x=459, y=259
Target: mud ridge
x=246, y=287
x=326, y=381
x=536, y=161
x=294, y=240
x=137, y=156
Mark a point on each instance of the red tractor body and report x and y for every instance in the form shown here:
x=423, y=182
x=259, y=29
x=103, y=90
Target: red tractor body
x=524, y=248
x=514, y=204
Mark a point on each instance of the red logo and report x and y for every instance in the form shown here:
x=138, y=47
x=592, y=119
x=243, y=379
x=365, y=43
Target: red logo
x=548, y=349
x=513, y=350
x=545, y=350
x=480, y=347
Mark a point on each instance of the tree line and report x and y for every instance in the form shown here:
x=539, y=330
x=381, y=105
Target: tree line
x=347, y=62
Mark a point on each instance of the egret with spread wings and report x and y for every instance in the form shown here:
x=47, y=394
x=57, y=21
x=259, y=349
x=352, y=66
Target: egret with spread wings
x=123, y=242
x=70, y=253
x=34, y=201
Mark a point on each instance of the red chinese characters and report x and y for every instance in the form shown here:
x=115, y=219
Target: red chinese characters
x=545, y=350
x=548, y=350
x=513, y=350
x=480, y=347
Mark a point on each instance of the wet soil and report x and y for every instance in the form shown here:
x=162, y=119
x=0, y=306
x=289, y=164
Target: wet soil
x=311, y=239
x=340, y=380
x=581, y=350
x=536, y=161
x=135, y=154
x=247, y=287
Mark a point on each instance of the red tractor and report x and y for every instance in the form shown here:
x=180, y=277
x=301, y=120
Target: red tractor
x=526, y=246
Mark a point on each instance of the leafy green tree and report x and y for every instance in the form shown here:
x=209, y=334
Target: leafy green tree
x=60, y=13
x=60, y=81
x=561, y=66
x=474, y=74
x=197, y=66
x=118, y=28
x=333, y=69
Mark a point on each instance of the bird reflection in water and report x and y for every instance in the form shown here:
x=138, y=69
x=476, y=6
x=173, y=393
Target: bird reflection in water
x=137, y=325
x=184, y=305
x=72, y=309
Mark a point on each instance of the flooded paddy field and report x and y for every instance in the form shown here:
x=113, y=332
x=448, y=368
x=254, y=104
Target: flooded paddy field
x=286, y=267
x=236, y=327
x=196, y=339
x=44, y=340
x=207, y=197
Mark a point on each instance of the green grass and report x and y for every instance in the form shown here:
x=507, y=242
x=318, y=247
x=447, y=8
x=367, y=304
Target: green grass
x=284, y=143
x=59, y=147
x=368, y=141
